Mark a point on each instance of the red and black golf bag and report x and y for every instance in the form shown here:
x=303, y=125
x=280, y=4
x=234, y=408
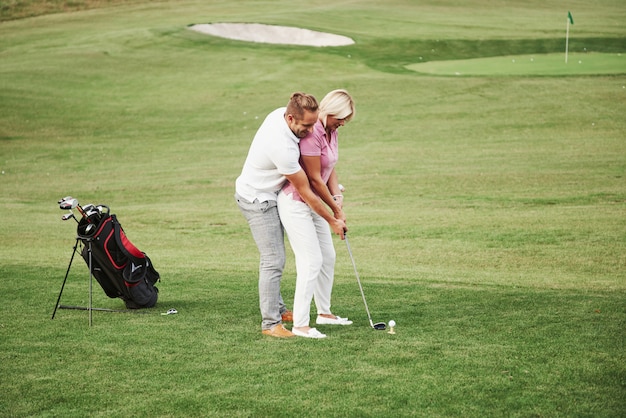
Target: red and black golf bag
x=121, y=269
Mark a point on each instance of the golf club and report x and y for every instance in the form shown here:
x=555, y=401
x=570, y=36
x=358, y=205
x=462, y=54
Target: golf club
x=82, y=212
x=68, y=216
x=378, y=325
x=63, y=199
x=88, y=229
x=68, y=203
x=91, y=214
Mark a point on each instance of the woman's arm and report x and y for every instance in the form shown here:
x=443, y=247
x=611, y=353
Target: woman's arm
x=333, y=186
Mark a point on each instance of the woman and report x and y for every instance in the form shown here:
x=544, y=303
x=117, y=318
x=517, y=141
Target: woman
x=308, y=232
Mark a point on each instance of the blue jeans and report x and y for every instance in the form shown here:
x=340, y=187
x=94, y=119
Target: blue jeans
x=268, y=234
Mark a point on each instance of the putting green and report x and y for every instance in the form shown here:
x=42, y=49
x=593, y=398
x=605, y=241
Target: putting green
x=532, y=64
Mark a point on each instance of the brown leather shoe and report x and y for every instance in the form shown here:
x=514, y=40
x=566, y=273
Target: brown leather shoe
x=278, y=331
x=287, y=316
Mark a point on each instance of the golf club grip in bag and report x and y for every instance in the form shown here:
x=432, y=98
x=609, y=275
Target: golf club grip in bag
x=121, y=269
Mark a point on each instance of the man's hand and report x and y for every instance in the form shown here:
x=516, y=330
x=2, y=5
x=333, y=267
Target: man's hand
x=340, y=215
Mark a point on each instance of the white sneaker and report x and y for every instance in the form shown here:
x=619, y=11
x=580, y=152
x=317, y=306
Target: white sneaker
x=313, y=333
x=322, y=320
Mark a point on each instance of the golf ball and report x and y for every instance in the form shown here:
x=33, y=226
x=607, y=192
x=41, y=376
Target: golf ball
x=392, y=323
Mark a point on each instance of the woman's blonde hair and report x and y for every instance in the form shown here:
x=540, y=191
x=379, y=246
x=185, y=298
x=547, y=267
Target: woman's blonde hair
x=337, y=103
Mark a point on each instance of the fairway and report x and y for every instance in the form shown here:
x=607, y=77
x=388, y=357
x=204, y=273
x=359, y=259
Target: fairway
x=529, y=65
x=486, y=209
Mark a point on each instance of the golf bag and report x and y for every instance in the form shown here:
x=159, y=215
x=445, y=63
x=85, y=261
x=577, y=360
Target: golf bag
x=121, y=269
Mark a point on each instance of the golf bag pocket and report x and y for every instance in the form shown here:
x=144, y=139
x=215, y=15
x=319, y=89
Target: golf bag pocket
x=121, y=269
x=110, y=287
x=139, y=280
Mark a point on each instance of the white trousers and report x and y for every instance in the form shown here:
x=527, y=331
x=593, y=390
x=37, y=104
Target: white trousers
x=311, y=240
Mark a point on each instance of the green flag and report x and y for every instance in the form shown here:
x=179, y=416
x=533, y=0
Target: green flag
x=571, y=19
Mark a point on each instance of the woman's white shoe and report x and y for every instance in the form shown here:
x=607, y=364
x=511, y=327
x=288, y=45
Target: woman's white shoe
x=322, y=320
x=313, y=333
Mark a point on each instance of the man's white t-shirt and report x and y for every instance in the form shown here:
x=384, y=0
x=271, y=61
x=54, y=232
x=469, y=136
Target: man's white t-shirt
x=273, y=154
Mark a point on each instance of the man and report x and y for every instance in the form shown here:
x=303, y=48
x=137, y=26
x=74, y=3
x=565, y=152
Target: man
x=272, y=160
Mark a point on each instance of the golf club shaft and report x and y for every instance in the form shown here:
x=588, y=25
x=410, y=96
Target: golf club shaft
x=81, y=211
x=356, y=273
x=84, y=215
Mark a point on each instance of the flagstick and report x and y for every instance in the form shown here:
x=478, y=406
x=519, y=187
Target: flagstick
x=567, y=40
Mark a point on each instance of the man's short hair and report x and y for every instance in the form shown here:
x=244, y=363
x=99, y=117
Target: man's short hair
x=301, y=102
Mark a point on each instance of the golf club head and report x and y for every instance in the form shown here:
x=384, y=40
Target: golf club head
x=67, y=216
x=68, y=204
x=89, y=210
x=64, y=198
x=379, y=326
x=104, y=210
x=92, y=213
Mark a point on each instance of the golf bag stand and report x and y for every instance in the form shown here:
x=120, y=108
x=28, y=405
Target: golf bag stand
x=90, y=307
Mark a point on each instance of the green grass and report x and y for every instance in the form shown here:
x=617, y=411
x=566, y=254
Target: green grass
x=19, y=9
x=486, y=213
x=528, y=65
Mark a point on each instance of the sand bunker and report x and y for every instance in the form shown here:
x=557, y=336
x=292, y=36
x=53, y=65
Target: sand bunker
x=256, y=32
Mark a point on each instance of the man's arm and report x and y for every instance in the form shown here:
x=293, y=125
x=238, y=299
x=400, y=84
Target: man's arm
x=313, y=169
x=301, y=182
